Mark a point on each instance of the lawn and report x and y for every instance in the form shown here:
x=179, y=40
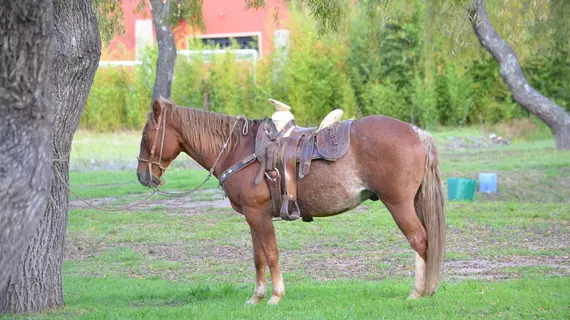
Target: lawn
x=169, y=258
x=127, y=298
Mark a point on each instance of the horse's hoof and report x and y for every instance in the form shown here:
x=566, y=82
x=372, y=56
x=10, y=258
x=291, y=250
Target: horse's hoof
x=254, y=300
x=274, y=300
x=414, y=295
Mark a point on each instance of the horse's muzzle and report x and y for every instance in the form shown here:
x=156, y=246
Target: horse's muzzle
x=149, y=181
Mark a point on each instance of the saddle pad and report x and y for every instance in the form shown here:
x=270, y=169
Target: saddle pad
x=333, y=142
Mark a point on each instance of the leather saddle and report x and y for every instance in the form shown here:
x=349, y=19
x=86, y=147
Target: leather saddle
x=288, y=156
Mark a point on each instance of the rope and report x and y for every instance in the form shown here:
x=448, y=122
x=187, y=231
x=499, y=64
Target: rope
x=245, y=129
x=62, y=180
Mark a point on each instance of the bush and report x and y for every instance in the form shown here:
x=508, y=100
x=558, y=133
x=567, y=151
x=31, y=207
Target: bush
x=120, y=96
x=104, y=110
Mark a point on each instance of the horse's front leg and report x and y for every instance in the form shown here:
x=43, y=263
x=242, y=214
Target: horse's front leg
x=260, y=268
x=262, y=225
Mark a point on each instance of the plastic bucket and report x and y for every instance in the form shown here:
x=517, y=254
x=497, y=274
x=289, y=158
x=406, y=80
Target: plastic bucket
x=488, y=182
x=461, y=189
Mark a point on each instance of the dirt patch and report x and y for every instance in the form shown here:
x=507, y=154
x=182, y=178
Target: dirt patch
x=506, y=268
x=320, y=262
x=238, y=264
x=476, y=252
x=188, y=204
x=473, y=142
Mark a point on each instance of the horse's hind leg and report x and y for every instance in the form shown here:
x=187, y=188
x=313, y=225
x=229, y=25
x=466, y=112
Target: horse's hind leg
x=407, y=220
x=420, y=282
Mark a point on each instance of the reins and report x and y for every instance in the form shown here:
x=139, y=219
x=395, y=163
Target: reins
x=245, y=130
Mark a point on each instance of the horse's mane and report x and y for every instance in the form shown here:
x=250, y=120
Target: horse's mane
x=207, y=130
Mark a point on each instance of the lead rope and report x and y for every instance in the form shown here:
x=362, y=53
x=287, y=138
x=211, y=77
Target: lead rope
x=68, y=187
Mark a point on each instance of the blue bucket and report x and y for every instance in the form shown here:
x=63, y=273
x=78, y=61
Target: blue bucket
x=461, y=189
x=488, y=182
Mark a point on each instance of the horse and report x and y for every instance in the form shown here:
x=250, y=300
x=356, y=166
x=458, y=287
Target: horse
x=387, y=160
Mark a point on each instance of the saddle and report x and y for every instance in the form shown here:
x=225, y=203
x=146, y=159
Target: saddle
x=285, y=156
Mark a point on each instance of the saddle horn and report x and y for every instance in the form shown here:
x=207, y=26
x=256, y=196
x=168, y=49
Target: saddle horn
x=280, y=106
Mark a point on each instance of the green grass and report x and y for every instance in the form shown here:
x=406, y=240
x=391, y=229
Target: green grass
x=105, y=146
x=123, y=298
x=101, y=184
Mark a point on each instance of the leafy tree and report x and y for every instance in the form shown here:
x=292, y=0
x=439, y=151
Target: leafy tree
x=553, y=115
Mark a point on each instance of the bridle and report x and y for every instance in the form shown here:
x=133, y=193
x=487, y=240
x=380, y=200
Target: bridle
x=153, y=149
x=163, y=168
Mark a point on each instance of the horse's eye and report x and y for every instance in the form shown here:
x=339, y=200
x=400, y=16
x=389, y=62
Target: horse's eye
x=145, y=137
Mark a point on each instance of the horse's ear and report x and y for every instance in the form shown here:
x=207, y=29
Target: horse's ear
x=157, y=107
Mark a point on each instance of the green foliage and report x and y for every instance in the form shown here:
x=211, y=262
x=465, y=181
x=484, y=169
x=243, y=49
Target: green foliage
x=385, y=67
x=453, y=93
x=109, y=17
x=187, y=10
x=104, y=109
x=120, y=96
x=314, y=82
x=423, y=102
x=189, y=85
x=548, y=74
x=225, y=84
x=493, y=101
x=138, y=99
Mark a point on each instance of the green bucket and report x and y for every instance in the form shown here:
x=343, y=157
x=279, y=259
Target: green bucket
x=461, y=189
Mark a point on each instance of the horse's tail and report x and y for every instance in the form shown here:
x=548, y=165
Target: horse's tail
x=430, y=209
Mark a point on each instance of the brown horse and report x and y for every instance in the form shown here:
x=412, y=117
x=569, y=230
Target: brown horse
x=388, y=160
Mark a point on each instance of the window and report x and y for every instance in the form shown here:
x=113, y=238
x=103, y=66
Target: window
x=249, y=45
x=244, y=42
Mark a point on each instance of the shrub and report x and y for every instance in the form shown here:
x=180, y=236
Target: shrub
x=104, y=109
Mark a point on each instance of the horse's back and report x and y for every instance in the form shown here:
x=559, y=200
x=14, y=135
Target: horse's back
x=390, y=155
x=383, y=151
x=385, y=130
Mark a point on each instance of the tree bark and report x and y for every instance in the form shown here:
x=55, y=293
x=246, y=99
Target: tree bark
x=166, y=48
x=26, y=38
x=36, y=283
x=537, y=104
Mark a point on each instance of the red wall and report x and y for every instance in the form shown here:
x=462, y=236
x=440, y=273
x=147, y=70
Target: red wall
x=220, y=17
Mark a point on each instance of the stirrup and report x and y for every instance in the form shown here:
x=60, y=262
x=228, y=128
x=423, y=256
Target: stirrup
x=284, y=212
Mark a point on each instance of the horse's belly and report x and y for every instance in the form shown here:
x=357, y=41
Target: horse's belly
x=329, y=189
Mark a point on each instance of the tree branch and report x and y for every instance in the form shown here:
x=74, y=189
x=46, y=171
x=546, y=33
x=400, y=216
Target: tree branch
x=511, y=71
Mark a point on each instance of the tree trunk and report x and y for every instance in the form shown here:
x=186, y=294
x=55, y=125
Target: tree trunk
x=523, y=93
x=36, y=284
x=166, y=48
x=26, y=38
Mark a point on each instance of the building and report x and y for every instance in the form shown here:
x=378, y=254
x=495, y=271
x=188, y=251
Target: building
x=254, y=29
